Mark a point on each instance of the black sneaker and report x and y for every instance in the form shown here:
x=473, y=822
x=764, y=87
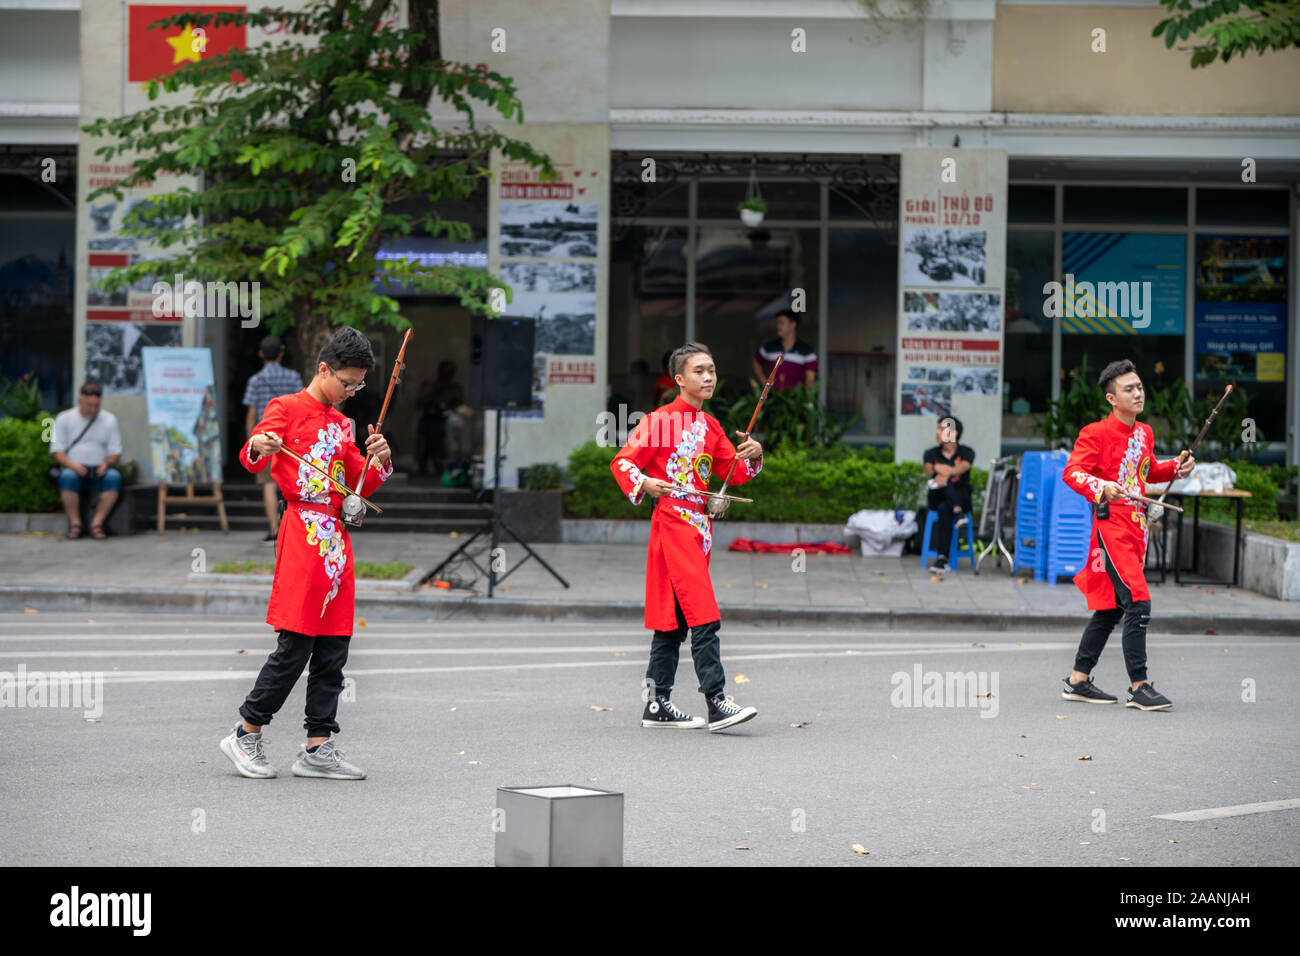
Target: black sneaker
x=1087, y=691
x=939, y=566
x=725, y=712
x=662, y=712
x=1146, y=697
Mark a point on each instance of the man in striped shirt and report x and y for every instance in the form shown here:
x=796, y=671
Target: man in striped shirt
x=800, y=365
x=271, y=382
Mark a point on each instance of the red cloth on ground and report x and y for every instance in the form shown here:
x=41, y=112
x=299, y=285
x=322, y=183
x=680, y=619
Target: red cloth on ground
x=817, y=547
x=1109, y=450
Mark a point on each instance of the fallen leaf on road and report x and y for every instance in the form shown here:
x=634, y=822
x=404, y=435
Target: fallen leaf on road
x=459, y=753
x=1123, y=859
x=596, y=707
x=241, y=651
x=1022, y=580
x=884, y=580
x=361, y=622
x=93, y=720
x=1062, y=717
x=728, y=585
x=453, y=534
x=802, y=723
x=1210, y=591
x=1173, y=841
x=1211, y=631
x=1225, y=650
x=1022, y=755
x=742, y=847
x=453, y=708
x=861, y=850
x=742, y=679
x=1032, y=786
x=935, y=577
x=979, y=644
x=1086, y=757
x=1024, y=736
x=28, y=609
x=1020, y=643
x=760, y=585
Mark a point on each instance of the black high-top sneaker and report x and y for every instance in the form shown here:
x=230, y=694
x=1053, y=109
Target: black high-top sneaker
x=662, y=712
x=725, y=712
x=1146, y=697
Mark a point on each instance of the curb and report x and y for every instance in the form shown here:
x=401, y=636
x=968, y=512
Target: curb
x=401, y=606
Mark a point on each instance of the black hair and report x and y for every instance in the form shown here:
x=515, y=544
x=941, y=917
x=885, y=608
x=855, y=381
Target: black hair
x=679, y=356
x=789, y=315
x=1113, y=371
x=347, y=348
x=956, y=424
x=92, y=388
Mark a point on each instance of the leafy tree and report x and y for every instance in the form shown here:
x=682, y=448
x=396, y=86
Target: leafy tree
x=1223, y=31
x=304, y=150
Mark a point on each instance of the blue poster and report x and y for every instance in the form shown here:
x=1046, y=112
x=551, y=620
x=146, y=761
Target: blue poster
x=184, y=431
x=1241, y=308
x=1124, y=283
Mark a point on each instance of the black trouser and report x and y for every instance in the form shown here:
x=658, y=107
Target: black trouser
x=943, y=501
x=1136, y=616
x=706, y=651
x=328, y=654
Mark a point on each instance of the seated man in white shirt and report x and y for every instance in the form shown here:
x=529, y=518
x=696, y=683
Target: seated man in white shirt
x=87, y=444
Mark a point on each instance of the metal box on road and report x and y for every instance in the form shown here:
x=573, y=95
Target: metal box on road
x=561, y=825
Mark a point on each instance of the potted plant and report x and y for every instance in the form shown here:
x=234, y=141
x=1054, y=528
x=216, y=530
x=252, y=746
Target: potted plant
x=752, y=211
x=536, y=510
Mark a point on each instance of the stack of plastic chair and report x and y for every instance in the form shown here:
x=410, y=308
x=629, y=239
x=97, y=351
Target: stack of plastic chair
x=1040, y=473
x=1071, y=529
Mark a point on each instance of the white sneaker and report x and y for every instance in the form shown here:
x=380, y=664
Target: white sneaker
x=246, y=754
x=326, y=762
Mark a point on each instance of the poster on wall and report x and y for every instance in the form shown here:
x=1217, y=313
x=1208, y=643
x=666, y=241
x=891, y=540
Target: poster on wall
x=184, y=429
x=1119, y=283
x=541, y=230
x=952, y=254
x=1241, y=314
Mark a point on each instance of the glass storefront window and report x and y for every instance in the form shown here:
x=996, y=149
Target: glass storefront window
x=1150, y=205
x=1031, y=203
x=647, y=310
x=742, y=278
x=862, y=329
x=1249, y=206
x=1027, y=343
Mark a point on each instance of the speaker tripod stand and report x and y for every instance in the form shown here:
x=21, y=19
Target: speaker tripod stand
x=494, y=526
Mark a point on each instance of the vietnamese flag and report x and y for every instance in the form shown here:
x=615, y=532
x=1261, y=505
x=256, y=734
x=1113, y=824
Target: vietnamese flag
x=153, y=53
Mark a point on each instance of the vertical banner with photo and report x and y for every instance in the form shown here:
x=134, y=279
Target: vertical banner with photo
x=184, y=430
x=951, y=265
x=1241, y=325
x=548, y=242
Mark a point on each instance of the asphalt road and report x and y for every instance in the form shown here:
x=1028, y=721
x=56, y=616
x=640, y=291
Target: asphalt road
x=444, y=714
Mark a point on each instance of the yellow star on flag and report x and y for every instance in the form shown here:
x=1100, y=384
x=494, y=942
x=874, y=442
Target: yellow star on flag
x=187, y=46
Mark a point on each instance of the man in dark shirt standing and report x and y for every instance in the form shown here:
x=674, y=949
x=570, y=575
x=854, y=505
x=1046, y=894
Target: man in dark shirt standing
x=271, y=382
x=948, y=464
x=800, y=365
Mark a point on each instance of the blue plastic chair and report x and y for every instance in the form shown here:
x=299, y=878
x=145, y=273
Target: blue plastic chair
x=955, y=551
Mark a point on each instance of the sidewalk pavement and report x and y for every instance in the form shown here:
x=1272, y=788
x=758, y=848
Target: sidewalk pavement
x=170, y=573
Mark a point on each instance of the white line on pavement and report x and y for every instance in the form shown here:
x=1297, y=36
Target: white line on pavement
x=1240, y=810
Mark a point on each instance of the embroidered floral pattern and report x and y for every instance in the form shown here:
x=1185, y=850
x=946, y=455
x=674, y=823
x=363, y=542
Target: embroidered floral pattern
x=323, y=531
x=634, y=473
x=701, y=523
x=1094, y=485
x=680, y=470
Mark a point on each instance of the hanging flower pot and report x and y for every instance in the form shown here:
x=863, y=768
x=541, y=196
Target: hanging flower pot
x=752, y=211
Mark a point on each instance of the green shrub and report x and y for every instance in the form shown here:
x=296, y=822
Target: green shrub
x=24, y=460
x=823, y=486
x=542, y=477
x=1261, y=506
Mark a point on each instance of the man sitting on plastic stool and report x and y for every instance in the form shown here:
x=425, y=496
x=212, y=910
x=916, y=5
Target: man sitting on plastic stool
x=948, y=465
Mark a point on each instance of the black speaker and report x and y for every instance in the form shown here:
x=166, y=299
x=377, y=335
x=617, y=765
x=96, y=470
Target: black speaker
x=500, y=362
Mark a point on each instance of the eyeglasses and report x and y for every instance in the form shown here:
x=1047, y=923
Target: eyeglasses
x=350, y=389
